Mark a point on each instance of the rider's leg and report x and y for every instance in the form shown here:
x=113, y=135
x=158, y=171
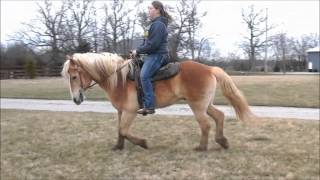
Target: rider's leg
x=152, y=63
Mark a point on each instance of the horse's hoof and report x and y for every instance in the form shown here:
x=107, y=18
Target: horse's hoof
x=223, y=142
x=117, y=148
x=144, y=144
x=201, y=148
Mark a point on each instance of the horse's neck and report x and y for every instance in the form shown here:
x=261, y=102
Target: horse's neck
x=115, y=91
x=116, y=95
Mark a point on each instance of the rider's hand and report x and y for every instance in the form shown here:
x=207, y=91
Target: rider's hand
x=133, y=53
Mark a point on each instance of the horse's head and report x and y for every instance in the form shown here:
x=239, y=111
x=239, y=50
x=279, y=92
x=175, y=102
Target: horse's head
x=79, y=80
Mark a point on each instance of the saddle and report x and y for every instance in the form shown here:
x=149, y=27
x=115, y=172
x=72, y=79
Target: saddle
x=165, y=72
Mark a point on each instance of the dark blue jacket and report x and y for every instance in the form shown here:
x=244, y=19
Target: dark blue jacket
x=156, y=41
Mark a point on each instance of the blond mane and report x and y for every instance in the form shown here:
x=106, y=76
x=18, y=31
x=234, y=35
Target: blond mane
x=64, y=72
x=101, y=66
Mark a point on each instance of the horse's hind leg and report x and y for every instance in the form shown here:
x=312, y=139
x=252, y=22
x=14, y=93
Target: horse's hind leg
x=125, y=125
x=202, y=118
x=218, y=117
x=120, y=142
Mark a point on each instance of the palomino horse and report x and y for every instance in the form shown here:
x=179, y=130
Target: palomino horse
x=195, y=83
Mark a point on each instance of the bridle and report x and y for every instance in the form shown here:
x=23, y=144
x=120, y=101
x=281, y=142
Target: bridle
x=89, y=87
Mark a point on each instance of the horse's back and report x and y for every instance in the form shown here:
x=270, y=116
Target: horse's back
x=193, y=81
x=195, y=74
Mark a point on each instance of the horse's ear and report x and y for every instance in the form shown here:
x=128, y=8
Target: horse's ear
x=68, y=57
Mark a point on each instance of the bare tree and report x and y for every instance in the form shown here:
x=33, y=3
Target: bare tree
x=105, y=31
x=182, y=32
x=204, y=48
x=178, y=28
x=125, y=36
x=253, y=44
x=95, y=33
x=132, y=23
x=143, y=20
x=302, y=44
x=193, y=25
x=80, y=24
x=116, y=26
x=280, y=44
x=46, y=31
x=15, y=54
x=291, y=51
x=128, y=31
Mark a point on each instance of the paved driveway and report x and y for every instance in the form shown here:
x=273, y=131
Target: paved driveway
x=177, y=109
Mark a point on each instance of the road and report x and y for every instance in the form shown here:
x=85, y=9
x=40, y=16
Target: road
x=177, y=109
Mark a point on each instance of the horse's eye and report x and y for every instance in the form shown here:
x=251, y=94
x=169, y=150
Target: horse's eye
x=74, y=77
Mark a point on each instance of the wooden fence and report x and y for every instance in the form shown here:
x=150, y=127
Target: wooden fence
x=20, y=72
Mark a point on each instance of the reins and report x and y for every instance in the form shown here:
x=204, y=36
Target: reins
x=90, y=86
x=116, y=71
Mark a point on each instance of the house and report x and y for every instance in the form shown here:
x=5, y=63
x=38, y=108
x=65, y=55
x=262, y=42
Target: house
x=313, y=57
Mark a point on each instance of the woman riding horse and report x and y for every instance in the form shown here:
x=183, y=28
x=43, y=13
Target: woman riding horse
x=110, y=72
x=156, y=47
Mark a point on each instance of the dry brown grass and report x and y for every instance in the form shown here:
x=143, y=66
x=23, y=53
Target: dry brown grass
x=280, y=90
x=44, y=88
x=67, y=145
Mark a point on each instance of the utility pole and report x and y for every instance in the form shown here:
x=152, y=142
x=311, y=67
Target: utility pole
x=266, y=45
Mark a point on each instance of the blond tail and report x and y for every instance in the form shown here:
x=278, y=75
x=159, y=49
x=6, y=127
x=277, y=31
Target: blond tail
x=233, y=94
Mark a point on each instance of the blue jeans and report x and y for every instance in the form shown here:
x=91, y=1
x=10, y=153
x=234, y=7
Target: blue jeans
x=152, y=63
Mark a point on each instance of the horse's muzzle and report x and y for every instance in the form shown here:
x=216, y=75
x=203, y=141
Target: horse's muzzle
x=79, y=100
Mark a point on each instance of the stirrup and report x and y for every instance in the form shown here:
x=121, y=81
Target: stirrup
x=145, y=111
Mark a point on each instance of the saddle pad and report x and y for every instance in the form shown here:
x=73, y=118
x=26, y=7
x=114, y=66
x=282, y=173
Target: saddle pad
x=165, y=72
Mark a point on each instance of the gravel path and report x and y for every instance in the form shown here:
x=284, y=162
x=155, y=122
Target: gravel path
x=177, y=109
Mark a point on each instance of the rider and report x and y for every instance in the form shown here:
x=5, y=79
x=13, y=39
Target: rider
x=155, y=47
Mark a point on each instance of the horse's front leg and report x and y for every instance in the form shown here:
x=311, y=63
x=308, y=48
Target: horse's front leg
x=120, y=142
x=125, y=125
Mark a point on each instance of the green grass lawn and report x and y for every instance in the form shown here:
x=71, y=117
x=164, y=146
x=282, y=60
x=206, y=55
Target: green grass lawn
x=280, y=90
x=70, y=145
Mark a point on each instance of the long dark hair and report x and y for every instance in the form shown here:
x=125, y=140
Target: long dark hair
x=164, y=13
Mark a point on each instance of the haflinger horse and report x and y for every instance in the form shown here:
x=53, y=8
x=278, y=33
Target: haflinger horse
x=195, y=83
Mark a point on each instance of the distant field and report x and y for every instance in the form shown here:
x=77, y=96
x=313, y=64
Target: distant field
x=67, y=145
x=278, y=90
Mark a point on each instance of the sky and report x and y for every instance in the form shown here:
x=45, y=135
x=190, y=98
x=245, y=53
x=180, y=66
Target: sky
x=223, y=22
